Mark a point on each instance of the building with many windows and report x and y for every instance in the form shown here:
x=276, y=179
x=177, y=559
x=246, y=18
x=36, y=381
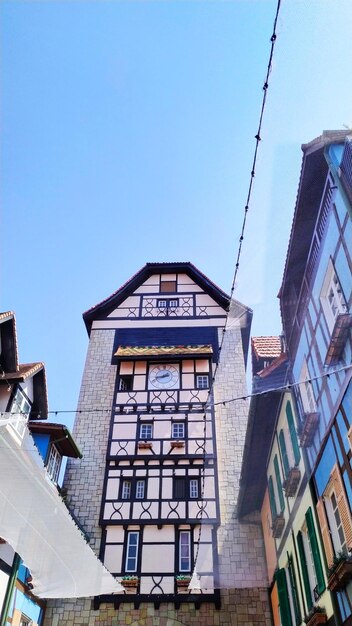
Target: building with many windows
x=158, y=485
x=304, y=493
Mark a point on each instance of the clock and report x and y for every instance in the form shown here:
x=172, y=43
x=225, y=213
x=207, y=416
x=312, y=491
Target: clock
x=164, y=376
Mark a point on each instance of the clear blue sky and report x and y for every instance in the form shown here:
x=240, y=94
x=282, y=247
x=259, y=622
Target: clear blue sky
x=128, y=135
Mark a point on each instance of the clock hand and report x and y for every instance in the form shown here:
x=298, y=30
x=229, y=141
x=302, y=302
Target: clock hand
x=163, y=375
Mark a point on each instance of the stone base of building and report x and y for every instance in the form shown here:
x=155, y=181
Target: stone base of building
x=239, y=607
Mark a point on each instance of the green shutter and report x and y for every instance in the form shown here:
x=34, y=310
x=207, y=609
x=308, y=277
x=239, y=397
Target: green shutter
x=284, y=602
x=293, y=434
x=284, y=456
x=272, y=498
x=302, y=558
x=315, y=551
x=279, y=484
x=293, y=581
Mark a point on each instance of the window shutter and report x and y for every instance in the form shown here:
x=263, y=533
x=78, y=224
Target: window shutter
x=343, y=505
x=284, y=603
x=315, y=551
x=293, y=434
x=293, y=581
x=325, y=532
x=279, y=483
x=285, y=462
x=272, y=498
x=302, y=558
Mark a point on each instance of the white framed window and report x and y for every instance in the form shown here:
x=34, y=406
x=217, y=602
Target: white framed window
x=54, y=463
x=140, y=489
x=312, y=575
x=162, y=304
x=146, y=431
x=185, y=551
x=331, y=296
x=25, y=621
x=132, y=552
x=21, y=408
x=335, y=523
x=194, y=488
x=178, y=430
x=202, y=381
x=126, y=490
x=306, y=390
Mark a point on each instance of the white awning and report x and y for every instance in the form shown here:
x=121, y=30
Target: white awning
x=36, y=523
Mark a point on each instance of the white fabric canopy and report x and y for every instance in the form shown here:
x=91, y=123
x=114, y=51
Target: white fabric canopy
x=36, y=523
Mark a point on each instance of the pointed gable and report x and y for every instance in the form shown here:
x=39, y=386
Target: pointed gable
x=157, y=278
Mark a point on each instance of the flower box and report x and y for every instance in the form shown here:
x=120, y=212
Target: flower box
x=308, y=429
x=129, y=583
x=340, y=576
x=278, y=526
x=316, y=617
x=183, y=583
x=177, y=444
x=145, y=445
x=292, y=481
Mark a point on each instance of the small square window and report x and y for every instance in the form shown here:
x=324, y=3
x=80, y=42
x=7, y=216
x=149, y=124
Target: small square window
x=146, y=431
x=162, y=304
x=178, y=430
x=202, y=381
x=173, y=304
x=126, y=383
x=168, y=286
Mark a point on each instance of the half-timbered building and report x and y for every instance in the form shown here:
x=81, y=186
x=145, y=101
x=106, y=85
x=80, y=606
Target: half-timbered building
x=158, y=484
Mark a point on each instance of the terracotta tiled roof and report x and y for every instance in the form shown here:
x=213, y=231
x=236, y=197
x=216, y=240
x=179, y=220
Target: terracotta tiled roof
x=266, y=347
x=162, y=350
x=24, y=371
x=6, y=315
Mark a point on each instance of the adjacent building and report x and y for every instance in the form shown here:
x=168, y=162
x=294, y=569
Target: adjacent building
x=23, y=402
x=301, y=431
x=158, y=485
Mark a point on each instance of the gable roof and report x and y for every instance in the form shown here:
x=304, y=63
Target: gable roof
x=103, y=308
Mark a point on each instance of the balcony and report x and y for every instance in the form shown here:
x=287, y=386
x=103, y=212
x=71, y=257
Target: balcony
x=278, y=525
x=340, y=574
x=316, y=616
x=292, y=481
x=308, y=429
x=338, y=338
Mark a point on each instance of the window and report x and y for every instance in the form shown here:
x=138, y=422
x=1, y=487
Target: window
x=185, y=488
x=193, y=488
x=126, y=490
x=178, y=430
x=126, y=383
x=185, y=551
x=133, y=489
x=21, y=408
x=25, y=621
x=202, y=381
x=332, y=297
x=168, y=286
x=311, y=566
x=54, y=464
x=140, y=489
x=146, y=431
x=306, y=390
x=132, y=552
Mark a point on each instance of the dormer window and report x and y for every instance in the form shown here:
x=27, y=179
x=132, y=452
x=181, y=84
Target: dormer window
x=54, y=463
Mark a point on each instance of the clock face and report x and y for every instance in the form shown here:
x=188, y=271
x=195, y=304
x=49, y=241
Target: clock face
x=164, y=377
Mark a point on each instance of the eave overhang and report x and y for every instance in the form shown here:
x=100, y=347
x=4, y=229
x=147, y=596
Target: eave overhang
x=60, y=435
